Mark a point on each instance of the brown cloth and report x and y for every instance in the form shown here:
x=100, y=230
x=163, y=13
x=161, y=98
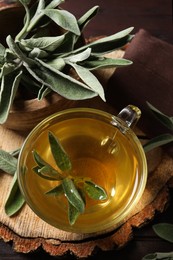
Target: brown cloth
x=149, y=78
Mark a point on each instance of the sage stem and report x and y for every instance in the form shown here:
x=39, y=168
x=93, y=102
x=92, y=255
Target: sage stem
x=22, y=33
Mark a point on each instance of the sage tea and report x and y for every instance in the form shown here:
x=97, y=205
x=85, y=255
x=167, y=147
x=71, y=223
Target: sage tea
x=99, y=152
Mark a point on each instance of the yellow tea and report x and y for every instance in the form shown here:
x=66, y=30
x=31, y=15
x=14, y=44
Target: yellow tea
x=98, y=151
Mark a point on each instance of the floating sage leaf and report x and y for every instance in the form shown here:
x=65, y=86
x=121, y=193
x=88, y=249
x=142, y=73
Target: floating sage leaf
x=164, y=230
x=64, y=19
x=8, y=163
x=60, y=156
x=94, y=191
x=38, y=159
x=158, y=141
x=48, y=171
x=46, y=175
x=56, y=191
x=15, y=199
x=159, y=256
x=73, y=195
x=73, y=213
x=164, y=119
x=45, y=170
x=74, y=189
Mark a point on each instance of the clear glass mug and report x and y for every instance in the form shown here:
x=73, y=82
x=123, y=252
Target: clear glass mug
x=102, y=147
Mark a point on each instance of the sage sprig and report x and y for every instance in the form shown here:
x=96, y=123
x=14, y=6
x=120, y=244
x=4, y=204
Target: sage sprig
x=74, y=189
x=164, y=138
x=8, y=164
x=163, y=230
x=40, y=62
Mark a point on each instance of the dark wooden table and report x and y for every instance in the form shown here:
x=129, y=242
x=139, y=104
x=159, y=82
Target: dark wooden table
x=156, y=17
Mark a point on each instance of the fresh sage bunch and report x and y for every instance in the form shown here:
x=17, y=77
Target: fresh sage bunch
x=162, y=139
x=40, y=63
x=73, y=188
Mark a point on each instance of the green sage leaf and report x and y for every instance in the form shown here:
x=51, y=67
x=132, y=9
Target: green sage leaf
x=164, y=230
x=15, y=199
x=89, y=79
x=37, y=53
x=9, y=86
x=57, y=63
x=94, y=191
x=40, y=6
x=44, y=43
x=36, y=169
x=13, y=46
x=71, y=39
x=103, y=62
x=6, y=69
x=164, y=119
x=57, y=191
x=61, y=83
x=48, y=171
x=158, y=255
x=109, y=43
x=8, y=163
x=10, y=57
x=64, y=19
x=84, y=20
x=68, y=44
x=44, y=169
x=60, y=156
x=2, y=53
x=79, y=56
x=73, y=195
x=38, y=159
x=73, y=213
x=158, y=141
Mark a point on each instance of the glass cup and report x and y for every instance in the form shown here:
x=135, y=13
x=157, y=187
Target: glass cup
x=103, y=148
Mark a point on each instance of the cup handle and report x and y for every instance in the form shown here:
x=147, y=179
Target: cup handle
x=130, y=115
